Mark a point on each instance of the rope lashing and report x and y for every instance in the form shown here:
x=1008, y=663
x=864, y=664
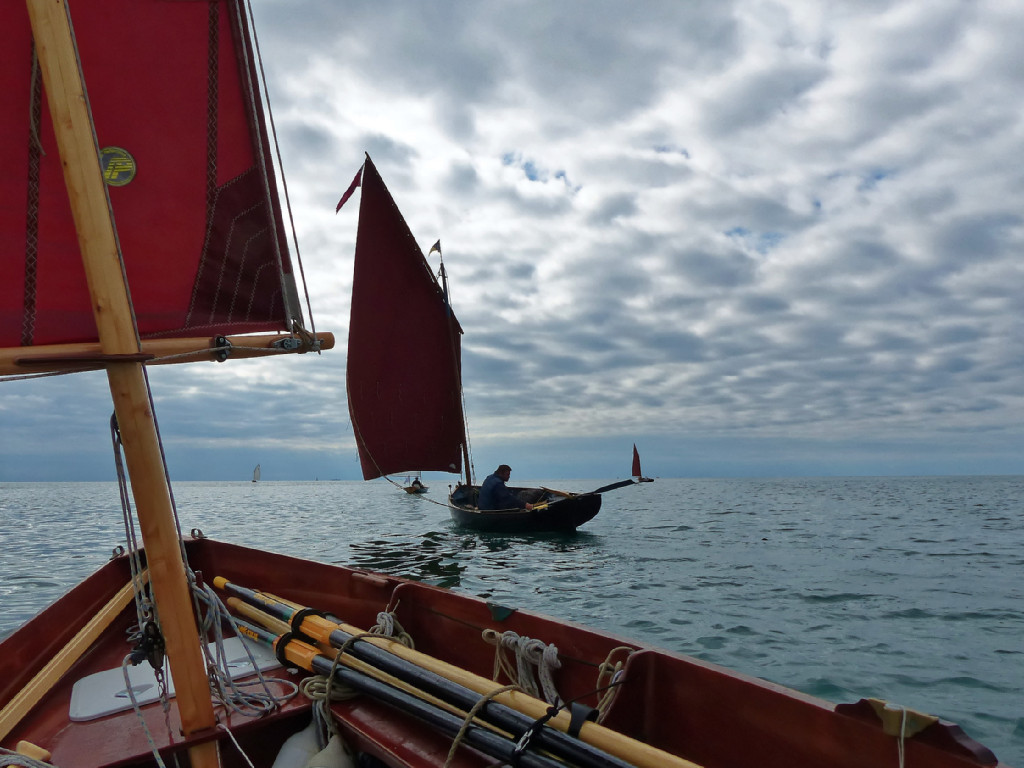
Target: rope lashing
x=609, y=674
x=532, y=658
x=388, y=626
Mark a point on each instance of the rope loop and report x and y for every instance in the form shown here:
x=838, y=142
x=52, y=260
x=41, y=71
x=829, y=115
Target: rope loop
x=470, y=716
x=535, y=663
x=609, y=676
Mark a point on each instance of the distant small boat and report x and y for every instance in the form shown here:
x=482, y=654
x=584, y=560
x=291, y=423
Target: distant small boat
x=636, y=468
x=415, y=485
x=256, y=474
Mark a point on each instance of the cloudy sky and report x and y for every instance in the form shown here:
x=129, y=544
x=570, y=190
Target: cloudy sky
x=756, y=238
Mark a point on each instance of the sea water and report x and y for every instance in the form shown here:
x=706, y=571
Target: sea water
x=907, y=589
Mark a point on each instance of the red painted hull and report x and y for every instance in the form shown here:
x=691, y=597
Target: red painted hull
x=693, y=709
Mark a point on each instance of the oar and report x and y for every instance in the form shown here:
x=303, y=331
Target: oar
x=566, y=494
x=613, y=486
x=436, y=686
x=304, y=655
x=602, y=489
x=602, y=738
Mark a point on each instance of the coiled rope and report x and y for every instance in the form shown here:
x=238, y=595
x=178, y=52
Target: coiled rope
x=16, y=758
x=609, y=675
x=535, y=662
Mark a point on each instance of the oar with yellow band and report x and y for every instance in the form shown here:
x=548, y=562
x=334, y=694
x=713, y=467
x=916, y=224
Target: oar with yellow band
x=295, y=652
x=333, y=632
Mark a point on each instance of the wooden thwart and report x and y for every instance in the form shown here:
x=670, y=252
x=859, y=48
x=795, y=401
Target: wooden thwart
x=45, y=679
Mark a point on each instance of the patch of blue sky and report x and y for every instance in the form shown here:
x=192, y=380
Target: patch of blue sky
x=533, y=172
x=762, y=242
x=671, y=149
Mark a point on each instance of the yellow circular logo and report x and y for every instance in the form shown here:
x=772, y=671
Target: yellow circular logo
x=118, y=166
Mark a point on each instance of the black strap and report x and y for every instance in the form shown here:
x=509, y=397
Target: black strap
x=296, y=623
x=579, y=714
x=279, y=648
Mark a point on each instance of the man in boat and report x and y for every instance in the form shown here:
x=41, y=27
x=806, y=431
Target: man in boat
x=494, y=494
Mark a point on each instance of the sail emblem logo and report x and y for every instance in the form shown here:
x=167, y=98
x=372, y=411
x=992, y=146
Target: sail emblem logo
x=118, y=166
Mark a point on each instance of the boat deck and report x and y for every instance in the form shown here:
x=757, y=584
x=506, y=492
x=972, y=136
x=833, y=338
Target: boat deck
x=708, y=715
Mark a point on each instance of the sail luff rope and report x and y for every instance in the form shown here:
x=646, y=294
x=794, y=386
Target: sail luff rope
x=470, y=470
x=258, y=60
x=360, y=441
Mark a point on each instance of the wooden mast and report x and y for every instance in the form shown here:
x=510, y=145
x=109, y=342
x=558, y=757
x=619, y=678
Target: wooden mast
x=72, y=122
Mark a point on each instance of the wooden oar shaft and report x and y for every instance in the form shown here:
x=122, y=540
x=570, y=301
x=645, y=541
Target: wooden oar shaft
x=448, y=723
x=276, y=628
x=606, y=740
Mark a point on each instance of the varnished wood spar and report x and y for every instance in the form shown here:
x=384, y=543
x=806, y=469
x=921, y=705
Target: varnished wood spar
x=72, y=122
x=57, y=357
x=605, y=739
x=44, y=680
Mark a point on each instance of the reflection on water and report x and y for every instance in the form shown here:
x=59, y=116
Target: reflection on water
x=902, y=588
x=427, y=558
x=441, y=557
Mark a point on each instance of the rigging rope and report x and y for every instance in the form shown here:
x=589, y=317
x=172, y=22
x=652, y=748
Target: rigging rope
x=257, y=58
x=209, y=608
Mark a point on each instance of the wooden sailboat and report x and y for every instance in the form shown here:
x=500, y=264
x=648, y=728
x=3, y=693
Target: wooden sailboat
x=62, y=695
x=396, y=296
x=637, y=472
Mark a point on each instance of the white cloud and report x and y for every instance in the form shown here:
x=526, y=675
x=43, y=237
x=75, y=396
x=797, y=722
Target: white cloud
x=738, y=219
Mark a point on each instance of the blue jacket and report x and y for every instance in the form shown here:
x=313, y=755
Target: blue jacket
x=494, y=494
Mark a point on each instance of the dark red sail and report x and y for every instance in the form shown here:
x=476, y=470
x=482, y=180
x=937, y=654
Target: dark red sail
x=636, y=462
x=171, y=86
x=404, y=354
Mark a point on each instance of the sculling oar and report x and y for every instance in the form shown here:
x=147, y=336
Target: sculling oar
x=613, y=486
x=296, y=652
x=331, y=631
x=602, y=489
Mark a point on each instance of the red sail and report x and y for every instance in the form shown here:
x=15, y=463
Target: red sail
x=170, y=85
x=636, y=462
x=404, y=353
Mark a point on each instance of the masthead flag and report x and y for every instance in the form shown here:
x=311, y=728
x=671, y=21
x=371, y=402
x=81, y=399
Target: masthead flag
x=350, y=190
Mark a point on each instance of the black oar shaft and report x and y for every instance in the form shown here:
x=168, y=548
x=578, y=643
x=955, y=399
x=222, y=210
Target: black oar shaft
x=611, y=747
x=502, y=716
x=448, y=724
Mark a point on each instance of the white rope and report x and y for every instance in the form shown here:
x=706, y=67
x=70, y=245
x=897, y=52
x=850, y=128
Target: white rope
x=903, y=734
x=15, y=758
x=138, y=710
x=532, y=658
x=225, y=690
x=388, y=626
x=609, y=674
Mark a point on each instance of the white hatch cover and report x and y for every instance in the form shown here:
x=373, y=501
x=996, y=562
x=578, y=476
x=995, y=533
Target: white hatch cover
x=104, y=693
